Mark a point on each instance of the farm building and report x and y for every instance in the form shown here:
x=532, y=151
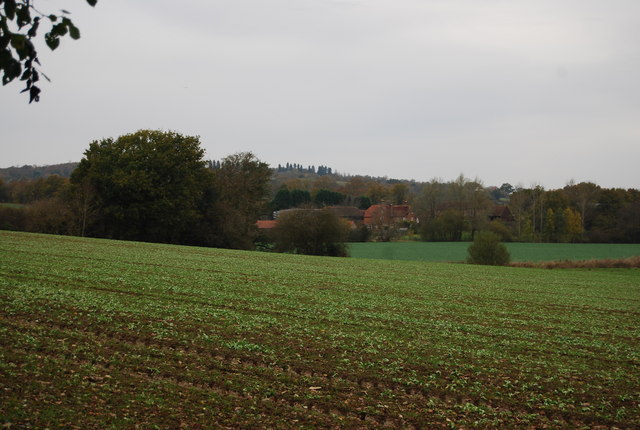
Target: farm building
x=384, y=215
x=266, y=224
x=501, y=213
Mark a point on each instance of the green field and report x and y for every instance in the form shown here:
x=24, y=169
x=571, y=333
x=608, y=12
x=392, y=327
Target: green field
x=106, y=334
x=12, y=205
x=457, y=251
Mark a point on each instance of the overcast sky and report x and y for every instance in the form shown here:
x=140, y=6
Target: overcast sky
x=525, y=92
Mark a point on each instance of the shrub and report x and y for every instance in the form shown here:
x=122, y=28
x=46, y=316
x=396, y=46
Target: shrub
x=487, y=249
x=12, y=218
x=312, y=232
x=51, y=216
x=360, y=234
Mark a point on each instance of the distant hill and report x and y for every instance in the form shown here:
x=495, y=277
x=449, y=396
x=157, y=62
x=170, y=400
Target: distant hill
x=10, y=174
x=281, y=173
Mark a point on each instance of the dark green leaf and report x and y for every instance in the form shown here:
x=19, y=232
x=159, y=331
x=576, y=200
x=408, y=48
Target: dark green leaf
x=23, y=15
x=12, y=69
x=53, y=18
x=52, y=41
x=74, y=32
x=59, y=29
x=34, y=94
x=34, y=28
x=92, y=2
x=18, y=41
x=10, y=8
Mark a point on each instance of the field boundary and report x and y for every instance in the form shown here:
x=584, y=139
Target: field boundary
x=607, y=263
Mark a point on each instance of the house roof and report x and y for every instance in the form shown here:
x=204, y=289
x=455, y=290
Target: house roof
x=502, y=212
x=266, y=224
x=371, y=211
x=396, y=210
x=400, y=211
x=388, y=213
x=499, y=210
x=347, y=211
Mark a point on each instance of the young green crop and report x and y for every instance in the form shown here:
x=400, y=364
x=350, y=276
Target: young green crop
x=98, y=333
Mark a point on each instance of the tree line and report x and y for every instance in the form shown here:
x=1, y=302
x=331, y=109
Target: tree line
x=147, y=186
x=156, y=186
x=583, y=212
x=295, y=167
x=28, y=173
x=455, y=210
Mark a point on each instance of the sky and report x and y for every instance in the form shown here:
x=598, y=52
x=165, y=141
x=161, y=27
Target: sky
x=529, y=92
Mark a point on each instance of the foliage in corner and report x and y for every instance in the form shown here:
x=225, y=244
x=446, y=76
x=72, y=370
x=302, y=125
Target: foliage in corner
x=487, y=249
x=19, y=25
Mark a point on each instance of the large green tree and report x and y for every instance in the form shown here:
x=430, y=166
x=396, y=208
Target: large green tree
x=20, y=22
x=241, y=191
x=327, y=197
x=300, y=197
x=147, y=185
x=282, y=199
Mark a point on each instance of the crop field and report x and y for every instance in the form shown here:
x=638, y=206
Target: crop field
x=457, y=251
x=107, y=334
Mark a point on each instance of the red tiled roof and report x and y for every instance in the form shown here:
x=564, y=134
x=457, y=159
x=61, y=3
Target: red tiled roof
x=388, y=214
x=347, y=211
x=265, y=224
x=503, y=212
x=400, y=210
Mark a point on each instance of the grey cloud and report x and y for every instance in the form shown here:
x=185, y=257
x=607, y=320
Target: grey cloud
x=532, y=91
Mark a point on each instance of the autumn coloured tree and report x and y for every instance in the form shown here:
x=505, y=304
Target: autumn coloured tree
x=573, y=229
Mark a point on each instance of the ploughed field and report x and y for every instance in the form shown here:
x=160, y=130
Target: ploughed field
x=108, y=334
